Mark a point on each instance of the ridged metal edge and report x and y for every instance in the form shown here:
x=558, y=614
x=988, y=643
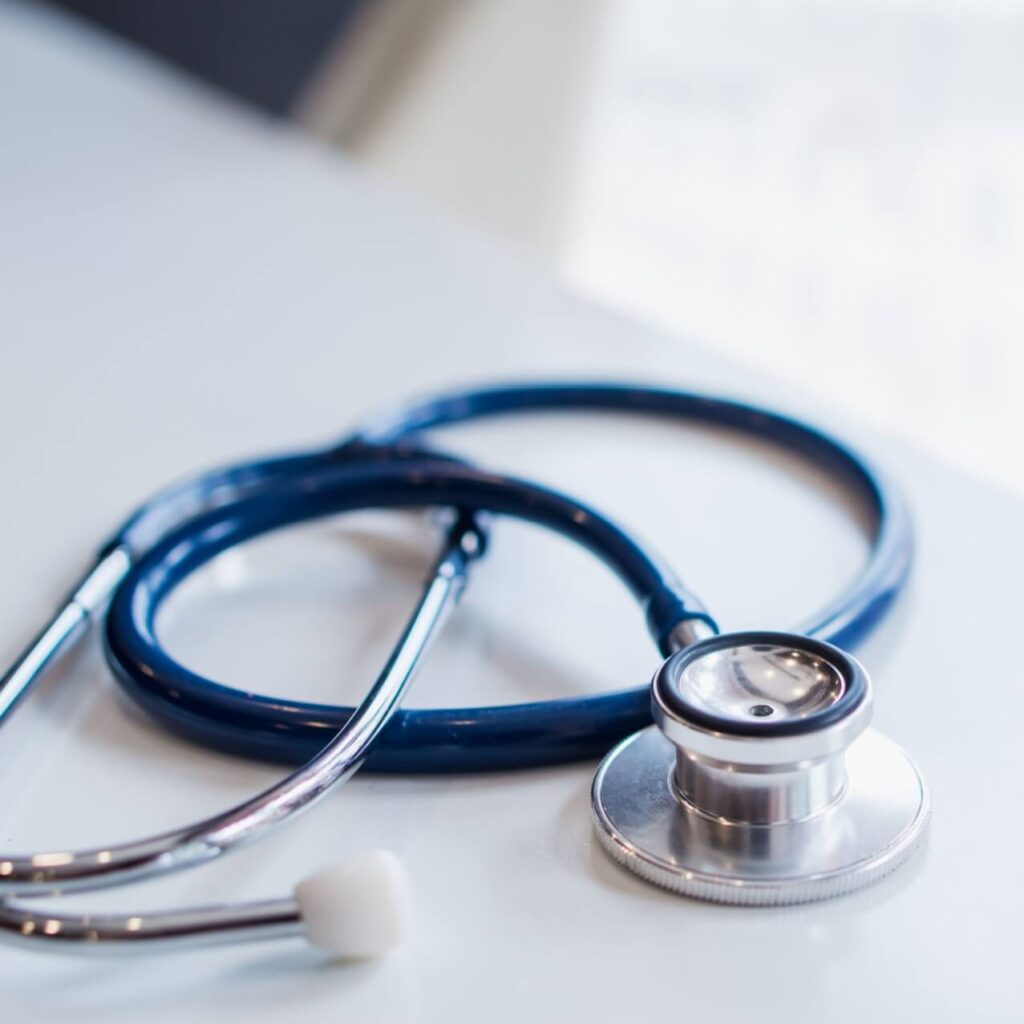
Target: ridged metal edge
x=760, y=894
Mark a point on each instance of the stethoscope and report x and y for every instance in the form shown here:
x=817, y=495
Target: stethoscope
x=759, y=782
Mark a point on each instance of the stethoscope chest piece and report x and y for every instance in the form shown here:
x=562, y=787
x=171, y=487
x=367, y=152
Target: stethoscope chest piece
x=760, y=782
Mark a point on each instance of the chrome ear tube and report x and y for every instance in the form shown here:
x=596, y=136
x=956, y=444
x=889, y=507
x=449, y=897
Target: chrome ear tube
x=760, y=782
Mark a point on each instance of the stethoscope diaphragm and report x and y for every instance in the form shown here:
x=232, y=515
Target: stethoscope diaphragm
x=760, y=782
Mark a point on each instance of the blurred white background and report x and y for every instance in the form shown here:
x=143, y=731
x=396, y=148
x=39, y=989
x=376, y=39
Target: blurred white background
x=831, y=190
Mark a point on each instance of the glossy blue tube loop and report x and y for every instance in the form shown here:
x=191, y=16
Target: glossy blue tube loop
x=847, y=618
x=384, y=466
x=416, y=740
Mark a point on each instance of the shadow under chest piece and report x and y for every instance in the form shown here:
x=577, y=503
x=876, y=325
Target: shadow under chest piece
x=760, y=782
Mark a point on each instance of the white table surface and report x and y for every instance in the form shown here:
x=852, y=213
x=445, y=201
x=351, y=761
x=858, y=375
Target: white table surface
x=181, y=283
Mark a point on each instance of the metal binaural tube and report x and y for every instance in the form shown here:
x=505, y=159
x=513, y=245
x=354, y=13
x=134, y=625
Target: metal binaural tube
x=53, y=873
x=191, y=927
x=66, y=627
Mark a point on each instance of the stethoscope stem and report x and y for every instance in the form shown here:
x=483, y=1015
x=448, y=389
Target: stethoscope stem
x=63, y=872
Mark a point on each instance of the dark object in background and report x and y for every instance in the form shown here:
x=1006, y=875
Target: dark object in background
x=264, y=51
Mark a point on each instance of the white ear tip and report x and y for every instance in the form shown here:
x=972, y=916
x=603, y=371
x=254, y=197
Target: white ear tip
x=357, y=909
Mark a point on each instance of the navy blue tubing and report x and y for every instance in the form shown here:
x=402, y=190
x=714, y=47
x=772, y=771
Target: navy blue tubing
x=381, y=466
x=847, y=619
